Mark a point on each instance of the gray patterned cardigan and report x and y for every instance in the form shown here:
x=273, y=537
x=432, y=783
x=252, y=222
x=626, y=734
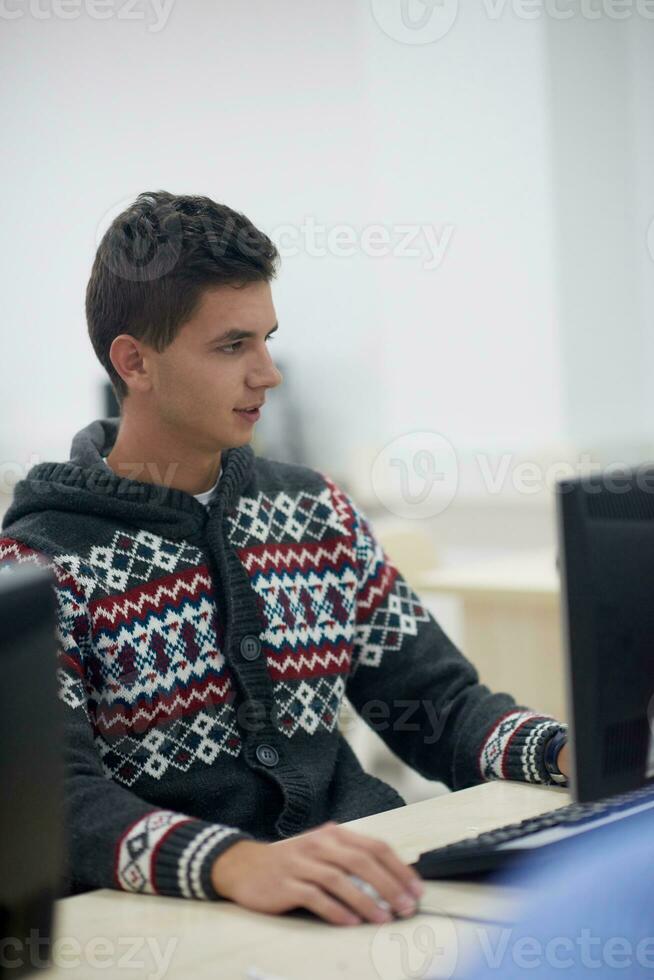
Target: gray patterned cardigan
x=204, y=653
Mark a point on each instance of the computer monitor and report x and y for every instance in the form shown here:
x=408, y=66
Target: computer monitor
x=606, y=560
x=31, y=816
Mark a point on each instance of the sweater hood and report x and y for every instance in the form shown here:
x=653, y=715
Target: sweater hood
x=85, y=485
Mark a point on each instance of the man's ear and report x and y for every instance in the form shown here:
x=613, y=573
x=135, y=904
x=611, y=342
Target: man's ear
x=129, y=358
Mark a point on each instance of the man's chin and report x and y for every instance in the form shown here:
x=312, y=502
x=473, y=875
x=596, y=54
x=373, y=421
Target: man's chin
x=236, y=439
x=241, y=442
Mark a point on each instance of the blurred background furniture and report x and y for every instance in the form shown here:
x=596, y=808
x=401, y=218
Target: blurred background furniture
x=511, y=628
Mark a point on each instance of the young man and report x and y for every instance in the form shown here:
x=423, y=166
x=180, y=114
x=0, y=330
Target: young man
x=215, y=607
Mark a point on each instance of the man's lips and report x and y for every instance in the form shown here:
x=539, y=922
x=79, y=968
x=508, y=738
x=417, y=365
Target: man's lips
x=250, y=415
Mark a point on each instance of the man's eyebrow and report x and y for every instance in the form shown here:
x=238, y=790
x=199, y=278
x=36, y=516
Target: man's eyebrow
x=239, y=335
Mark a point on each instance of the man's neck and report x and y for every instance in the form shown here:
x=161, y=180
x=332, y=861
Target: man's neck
x=152, y=454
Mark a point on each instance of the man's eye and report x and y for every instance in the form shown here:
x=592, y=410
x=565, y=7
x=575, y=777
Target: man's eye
x=238, y=343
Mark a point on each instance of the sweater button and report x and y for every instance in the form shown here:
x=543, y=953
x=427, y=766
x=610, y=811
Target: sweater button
x=250, y=647
x=268, y=755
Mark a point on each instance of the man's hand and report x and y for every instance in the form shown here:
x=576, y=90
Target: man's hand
x=312, y=871
x=563, y=760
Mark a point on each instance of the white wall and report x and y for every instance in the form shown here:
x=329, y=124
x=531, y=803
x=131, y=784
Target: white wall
x=602, y=127
x=248, y=103
x=290, y=110
x=460, y=139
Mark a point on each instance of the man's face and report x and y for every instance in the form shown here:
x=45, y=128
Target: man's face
x=203, y=376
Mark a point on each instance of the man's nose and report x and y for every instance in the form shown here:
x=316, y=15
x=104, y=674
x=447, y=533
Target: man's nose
x=266, y=375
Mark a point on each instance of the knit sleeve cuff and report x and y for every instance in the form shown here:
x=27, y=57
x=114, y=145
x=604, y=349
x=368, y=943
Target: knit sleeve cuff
x=167, y=853
x=515, y=747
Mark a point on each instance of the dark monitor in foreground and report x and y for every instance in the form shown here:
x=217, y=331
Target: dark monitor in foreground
x=606, y=549
x=30, y=769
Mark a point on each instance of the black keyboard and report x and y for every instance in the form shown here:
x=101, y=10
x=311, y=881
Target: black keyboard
x=535, y=837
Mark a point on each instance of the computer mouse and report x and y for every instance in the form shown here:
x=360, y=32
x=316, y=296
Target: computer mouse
x=364, y=886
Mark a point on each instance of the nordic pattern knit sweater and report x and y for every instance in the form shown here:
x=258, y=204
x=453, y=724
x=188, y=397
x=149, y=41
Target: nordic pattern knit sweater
x=204, y=654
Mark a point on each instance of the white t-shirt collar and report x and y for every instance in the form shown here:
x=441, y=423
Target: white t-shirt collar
x=203, y=498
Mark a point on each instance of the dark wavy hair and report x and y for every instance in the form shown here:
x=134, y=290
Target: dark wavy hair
x=156, y=259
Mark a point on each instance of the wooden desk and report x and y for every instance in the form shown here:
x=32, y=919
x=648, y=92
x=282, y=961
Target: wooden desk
x=221, y=941
x=511, y=624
